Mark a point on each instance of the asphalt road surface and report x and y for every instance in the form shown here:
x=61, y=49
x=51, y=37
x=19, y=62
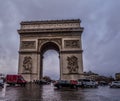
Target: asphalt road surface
x=34, y=92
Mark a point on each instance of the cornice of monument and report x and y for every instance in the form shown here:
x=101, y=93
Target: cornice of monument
x=51, y=21
x=71, y=51
x=50, y=30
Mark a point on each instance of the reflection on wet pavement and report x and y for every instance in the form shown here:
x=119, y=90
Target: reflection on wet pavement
x=33, y=92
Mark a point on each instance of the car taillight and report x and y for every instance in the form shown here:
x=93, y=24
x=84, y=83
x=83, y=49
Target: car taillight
x=73, y=82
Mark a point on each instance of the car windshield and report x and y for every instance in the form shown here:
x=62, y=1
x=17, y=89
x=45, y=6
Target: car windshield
x=21, y=78
x=86, y=80
x=116, y=81
x=63, y=81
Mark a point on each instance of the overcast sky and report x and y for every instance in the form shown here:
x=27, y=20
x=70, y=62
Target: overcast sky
x=100, y=39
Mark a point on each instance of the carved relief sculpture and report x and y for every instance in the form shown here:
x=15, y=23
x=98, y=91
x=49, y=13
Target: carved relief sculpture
x=72, y=64
x=27, y=64
x=28, y=44
x=71, y=43
x=57, y=40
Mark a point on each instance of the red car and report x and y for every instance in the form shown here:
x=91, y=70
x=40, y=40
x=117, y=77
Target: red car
x=15, y=79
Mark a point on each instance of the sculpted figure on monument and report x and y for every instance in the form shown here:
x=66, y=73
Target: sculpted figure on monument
x=72, y=64
x=27, y=64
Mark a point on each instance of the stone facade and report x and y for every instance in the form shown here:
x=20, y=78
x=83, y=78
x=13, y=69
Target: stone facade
x=117, y=76
x=38, y=36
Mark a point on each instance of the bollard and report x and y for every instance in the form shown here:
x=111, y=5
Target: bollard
x=4, y=90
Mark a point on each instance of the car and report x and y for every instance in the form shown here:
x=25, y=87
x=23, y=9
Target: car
x=115, y=84
x=43, y=82
x=103, y=83
x=1, y=83
x=15, y=79
x=85, y=83
x=65, y=83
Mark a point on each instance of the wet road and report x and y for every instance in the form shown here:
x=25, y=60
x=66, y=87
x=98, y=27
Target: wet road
x=33, y=92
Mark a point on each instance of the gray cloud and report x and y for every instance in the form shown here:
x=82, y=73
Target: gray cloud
x=100, y=18
x=102, y=43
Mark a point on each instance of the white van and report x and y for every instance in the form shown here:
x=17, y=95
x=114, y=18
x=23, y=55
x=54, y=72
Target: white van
x=115, y=84
x=87, y=83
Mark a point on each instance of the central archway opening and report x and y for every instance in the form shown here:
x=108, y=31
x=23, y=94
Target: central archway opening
x=50, y=61
x=51, y=64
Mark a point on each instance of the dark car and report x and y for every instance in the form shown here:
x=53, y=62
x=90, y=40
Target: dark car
x=115, y=84
x=1, y=83
x=66, y=83
x=43, y=82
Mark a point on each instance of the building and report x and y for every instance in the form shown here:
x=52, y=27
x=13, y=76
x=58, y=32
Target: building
x=90, y=75
x=117, y=76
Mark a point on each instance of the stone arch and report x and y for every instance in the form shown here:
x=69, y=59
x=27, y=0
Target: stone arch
x=43, y=48
x=62, y=35
x=50, y=44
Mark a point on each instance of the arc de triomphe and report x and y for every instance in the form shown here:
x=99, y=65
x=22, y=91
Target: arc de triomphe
x=36, y=37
